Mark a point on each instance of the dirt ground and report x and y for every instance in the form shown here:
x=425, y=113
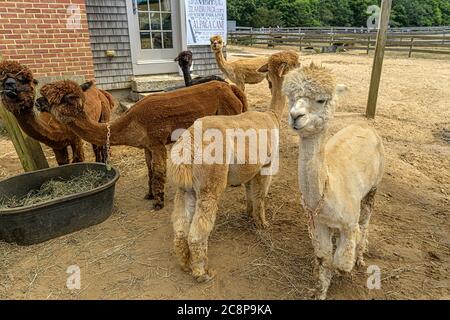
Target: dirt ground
x=130, y=255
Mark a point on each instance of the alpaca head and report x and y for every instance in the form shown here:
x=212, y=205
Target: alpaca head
x=17, y=87
x=278, y=65
x=64, y=99
x=184, y=59
x=216, y=43
x=311, y=91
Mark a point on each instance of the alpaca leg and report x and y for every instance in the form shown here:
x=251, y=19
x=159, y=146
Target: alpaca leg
x=78, y=151
x=184, y=209
x=148, y=161
x=62, y=156
x=159, y=157
x=323, y=249
x=366, y=211
x=345, y=255
x=201, y=226
x=241, y=85
x=260, y=187
x=98, y=153
x=101, y=153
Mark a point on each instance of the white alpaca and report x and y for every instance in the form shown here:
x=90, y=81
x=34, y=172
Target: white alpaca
x=338, y=178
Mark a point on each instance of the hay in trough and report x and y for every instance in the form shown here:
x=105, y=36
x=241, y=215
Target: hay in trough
x=56, y=188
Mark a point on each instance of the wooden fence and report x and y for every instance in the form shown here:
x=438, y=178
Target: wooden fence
x=435, y=40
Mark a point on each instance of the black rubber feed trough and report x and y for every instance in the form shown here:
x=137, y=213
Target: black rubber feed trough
x=47, y=220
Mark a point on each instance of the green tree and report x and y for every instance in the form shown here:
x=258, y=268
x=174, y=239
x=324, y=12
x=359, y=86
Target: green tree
x=264, y=17
x=298, y=13
x=242, y=11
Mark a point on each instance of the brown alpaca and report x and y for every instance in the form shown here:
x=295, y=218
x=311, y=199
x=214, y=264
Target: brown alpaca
x=150, y=123
x=241, y=71
x=18, y=91
x=200, y=184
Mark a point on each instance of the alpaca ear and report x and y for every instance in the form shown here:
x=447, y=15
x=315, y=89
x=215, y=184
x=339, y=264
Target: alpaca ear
x=282, y=69
x=85, y=86
x=264, y=68
x=177, y=59
x=35, y=82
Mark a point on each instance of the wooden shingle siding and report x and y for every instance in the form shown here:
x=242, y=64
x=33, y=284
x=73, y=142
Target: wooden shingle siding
x=204, y=61
x=108, y=30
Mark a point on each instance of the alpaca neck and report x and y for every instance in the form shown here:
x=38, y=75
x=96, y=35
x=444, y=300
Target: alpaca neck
x=312, y=169
x=186, y=75
x=34, y=127
x=278, y=101
x=221, y=62
x=96, y=133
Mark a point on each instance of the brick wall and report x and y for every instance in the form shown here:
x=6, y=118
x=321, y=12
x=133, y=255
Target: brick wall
x=35, y=32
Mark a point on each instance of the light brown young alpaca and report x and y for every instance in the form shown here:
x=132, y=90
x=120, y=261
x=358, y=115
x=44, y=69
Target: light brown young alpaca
x=338, y=178
x=18, y=91
x=200, y=184
x=150, y=123
x=241, y=71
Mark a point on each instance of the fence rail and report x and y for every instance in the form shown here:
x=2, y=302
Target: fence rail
x=411, y=40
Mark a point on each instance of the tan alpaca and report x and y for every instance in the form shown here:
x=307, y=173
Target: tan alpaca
x=338, y=178
x=201, y=185
x=241, y=71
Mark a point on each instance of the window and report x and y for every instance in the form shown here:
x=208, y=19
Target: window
x=155, y=24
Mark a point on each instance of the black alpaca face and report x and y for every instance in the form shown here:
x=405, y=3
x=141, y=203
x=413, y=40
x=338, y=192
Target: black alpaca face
x=184, y=59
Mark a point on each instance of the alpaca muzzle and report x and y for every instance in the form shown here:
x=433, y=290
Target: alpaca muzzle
x=10, y=88
x=42, y=105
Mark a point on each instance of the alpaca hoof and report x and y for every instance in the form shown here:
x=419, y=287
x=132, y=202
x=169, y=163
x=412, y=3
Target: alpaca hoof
x=360, y=262
x=149, y=196
x=158, y=206
x=263, y=225
x=186, y=268
x=207, y=277
x=320, y=295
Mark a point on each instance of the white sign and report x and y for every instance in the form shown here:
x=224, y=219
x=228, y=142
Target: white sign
x=204, y=19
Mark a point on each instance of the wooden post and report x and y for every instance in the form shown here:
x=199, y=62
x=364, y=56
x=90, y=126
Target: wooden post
x=411, y=47
x=251, y=37
x=29, y=151
x=368, y=44
x=331, y=37
x=386, y=6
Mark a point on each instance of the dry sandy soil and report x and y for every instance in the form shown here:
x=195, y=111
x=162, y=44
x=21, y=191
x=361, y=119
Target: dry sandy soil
x=130, y=255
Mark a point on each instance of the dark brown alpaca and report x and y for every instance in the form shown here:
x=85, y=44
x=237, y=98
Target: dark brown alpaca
x=184, y=60
x=150, y=123
x=18, y=91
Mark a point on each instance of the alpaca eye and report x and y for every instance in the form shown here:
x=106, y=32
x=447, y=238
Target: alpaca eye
x=322, y=101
